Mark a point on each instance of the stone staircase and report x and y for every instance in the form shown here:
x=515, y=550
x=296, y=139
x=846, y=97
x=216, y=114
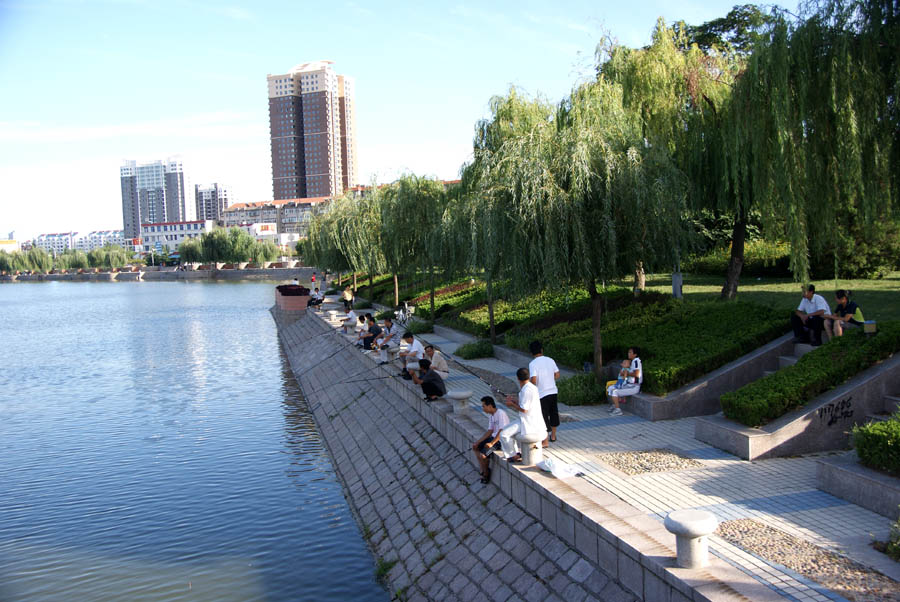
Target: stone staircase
x=800, y=349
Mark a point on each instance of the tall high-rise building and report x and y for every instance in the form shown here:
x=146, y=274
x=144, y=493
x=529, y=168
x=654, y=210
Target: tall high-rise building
x=312, y=124
x=212, y=201
x=153, y=193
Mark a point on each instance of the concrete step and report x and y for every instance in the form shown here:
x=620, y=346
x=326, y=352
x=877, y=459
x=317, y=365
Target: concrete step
x=786, y=360
x=877, y=417
x=801, y=349
x=891, y=403
x=768, y=372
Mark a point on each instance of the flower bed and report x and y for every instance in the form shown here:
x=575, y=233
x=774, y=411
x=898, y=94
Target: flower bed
x=816, y=372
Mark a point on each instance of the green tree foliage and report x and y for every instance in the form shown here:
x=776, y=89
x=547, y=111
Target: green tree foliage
x=38, y=260
x=191, y=251
x=71, y=259
x=264, y=251
x=216, y=246
x=738, y=30
x=108, y=256
x=6, y=262
x=241, y=244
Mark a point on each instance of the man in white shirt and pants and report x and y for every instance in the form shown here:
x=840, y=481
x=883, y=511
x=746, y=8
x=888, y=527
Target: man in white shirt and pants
x=810, y=316
x=498, y=420
x=544, y=374
x=530, y=421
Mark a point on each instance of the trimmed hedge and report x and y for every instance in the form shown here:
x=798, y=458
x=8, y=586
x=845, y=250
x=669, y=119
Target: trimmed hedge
x=475, y=350
x=818, y=371
x=580, y=390
x=419, y=326
x=878, y=444
x=679, y=341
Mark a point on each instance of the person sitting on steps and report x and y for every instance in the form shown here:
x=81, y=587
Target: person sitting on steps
x=847, y=314
x=490, y=441
x=432, y=384
x=635, y=373
x=809, y=318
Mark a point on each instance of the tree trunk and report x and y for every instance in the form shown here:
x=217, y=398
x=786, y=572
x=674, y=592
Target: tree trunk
x=396, y=290
x=596, y=314
x=640, y=279
x=354, y=282
x=371, y=277
x=490, y=295
x=431, y=275
x=340, y=279
x=733, y=273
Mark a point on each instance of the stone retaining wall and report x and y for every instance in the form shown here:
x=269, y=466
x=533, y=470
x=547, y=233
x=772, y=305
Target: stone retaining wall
x=408, y=470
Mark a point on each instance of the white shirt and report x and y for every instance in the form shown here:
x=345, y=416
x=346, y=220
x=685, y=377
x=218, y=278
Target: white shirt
x=391, y=336
x=545, y=369
x=811, y=306
x=415, y=350
x=531, y=420
x=350, y=316
x=636, y=365
x=497, y=422
x=438, y=363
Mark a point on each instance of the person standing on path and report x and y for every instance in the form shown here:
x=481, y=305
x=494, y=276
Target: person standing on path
x=490, y=441
x=530, y=421
x=544, y=374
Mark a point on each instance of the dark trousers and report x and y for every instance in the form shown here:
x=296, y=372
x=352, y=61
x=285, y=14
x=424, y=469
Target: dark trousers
x=367, y=342
x=814, y=325
x=550, y=410
x=431, y=389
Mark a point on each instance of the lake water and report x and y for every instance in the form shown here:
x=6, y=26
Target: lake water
x=155, y=446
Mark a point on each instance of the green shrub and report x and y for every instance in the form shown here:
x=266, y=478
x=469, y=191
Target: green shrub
x=362, y=304
x=580, y=389
x=420, y=326
x=893, y=545
x=761, y=259
x=816, y=372
x=384, y=314
x=878, y=444
x=331, y=291
x=475, y=350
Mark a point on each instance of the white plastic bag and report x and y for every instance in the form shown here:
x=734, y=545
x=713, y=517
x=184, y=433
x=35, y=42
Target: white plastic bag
x=560, y=470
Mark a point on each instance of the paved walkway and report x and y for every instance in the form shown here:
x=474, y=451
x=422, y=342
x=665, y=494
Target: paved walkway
x=778, y=492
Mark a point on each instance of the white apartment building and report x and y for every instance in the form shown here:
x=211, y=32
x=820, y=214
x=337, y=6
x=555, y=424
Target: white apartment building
x=56, y=242
x=100, y=238
x=290, y=216
x=212, y=200
x=172, y=234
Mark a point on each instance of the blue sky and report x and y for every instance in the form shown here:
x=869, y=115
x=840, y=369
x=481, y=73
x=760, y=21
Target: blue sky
x=90, y=83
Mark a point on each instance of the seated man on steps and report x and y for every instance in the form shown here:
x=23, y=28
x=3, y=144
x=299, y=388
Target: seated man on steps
x=409, y=359
x=349, y=320
x=371, y=334
x=530, y=421
x=388, y=341
x=634, y=377
x=490, y=441
x=432, y=384
x=438, y=363
x=315, y=299
x=809, y=318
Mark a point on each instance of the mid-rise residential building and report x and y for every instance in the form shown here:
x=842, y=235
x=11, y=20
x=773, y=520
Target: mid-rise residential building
x=100, y=238
x=290, y=216
x=155, y=192
x=171, y=234
x=9, y=244
x=56, y=242
x=312, y=125
x=212, y=201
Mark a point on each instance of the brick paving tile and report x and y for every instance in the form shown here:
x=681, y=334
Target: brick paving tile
x=568, y=559
x=512, y=571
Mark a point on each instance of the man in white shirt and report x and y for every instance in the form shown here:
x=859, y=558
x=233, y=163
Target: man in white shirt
x=809, y=318
x=490, y=441
x=349, y=319
x=409, y=359
x=438, y=362
x=388, y=341
x=632, y=386
x=315, y=300
x=544, y=374
x=530, y=421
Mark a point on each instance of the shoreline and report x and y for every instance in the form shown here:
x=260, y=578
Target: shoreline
x=303, y=273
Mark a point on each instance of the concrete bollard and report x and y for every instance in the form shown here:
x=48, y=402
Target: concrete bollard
x=691, y=528
x=530, y=444
x=332, y=315
x=460, y=400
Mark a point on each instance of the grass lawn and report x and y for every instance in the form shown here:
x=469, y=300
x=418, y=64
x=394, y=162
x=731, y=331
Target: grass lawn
x=879, y=299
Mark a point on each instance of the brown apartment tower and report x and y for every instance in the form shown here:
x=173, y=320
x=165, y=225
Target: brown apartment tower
x=312, y=124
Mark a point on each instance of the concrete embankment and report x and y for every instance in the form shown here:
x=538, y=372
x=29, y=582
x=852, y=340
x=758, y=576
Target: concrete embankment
x=438, y=532
x=168, y=275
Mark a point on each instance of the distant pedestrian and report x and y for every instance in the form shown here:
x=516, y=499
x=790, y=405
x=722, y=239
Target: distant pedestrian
x=530, y=421
x=313, y=280
x=544, y=374
x=631, y=387
x=490, y=441
x=347, y=298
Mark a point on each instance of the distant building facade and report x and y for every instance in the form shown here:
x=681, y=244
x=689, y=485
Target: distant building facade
x=56, y=242
x=312, y=126
x=290, y=216
x=155, y=192
x=100, y=238
x=212, y=201
x=172, y=234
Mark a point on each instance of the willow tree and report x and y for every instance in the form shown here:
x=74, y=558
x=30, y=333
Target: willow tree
x=812, y=131
x=322, y=247
x=496, y=237
x=357, y=232
x=588, y=197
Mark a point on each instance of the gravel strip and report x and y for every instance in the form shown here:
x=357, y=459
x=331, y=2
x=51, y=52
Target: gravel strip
x=837, y=573
x=653, y=460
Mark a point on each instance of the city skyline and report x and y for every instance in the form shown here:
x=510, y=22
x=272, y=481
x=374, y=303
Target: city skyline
x=424, y=75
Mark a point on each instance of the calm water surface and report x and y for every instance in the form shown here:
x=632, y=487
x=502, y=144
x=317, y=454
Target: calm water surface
x=154, y=446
